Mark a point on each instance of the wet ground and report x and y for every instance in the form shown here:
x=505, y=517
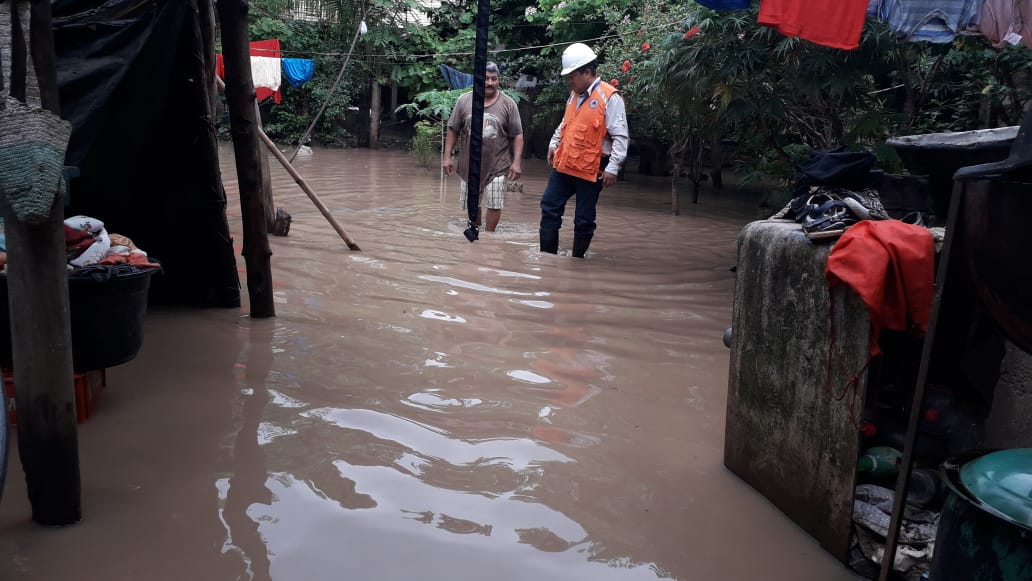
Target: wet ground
x=432, y=409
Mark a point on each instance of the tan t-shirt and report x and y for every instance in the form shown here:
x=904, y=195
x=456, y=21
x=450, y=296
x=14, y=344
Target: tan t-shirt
x=502, y=124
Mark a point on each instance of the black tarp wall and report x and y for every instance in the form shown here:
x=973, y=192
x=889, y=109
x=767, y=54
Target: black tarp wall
x=132, y=83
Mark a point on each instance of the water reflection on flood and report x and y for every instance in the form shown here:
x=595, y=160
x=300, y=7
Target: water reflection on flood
x=430, y=408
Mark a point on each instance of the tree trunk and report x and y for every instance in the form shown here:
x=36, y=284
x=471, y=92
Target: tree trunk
x=247, y=152
x=717, y=163
x=374, y=115
x=695, y=173
x=37, y=283
x=394, y=101
x=910, y=94
x=675, y=201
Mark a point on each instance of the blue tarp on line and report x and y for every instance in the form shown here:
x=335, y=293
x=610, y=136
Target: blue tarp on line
x=298, y=71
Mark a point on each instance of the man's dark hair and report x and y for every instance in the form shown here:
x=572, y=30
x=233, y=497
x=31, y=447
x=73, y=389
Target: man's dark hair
x=592, y=66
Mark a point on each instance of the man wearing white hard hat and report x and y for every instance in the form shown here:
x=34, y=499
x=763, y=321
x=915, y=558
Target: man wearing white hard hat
x=586, y=151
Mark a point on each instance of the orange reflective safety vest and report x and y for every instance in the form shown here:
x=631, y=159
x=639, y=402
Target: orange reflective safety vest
x=580, y=141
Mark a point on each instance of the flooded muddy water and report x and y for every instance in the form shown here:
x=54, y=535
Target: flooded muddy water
x=432, y=409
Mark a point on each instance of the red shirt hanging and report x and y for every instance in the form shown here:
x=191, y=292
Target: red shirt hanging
x=834, y=23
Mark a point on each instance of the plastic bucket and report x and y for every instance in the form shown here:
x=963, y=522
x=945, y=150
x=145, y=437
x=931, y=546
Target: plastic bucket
x=106, y=319
x=974, y=541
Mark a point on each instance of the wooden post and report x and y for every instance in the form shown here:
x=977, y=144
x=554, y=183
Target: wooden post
x=266, y=193
x=37, y=284
x=375, y=105
x=243, y=127
x=206, y=31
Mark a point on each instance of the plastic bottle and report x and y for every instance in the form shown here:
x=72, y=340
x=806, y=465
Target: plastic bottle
x=879, y=461
x=924, y=488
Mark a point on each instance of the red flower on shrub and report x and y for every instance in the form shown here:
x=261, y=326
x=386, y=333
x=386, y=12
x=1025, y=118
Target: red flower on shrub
x=646, y=46
x=626, y=66
x=691, y=32
x=614, y=82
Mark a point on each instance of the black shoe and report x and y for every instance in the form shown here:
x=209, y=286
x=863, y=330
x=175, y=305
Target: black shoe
x=550, y=241
x=829, y=220
x=580, y=246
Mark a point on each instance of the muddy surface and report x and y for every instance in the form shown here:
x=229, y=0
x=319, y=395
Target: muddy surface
x=432, y=409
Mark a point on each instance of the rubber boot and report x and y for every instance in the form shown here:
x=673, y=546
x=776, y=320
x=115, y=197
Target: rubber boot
x=550, y=241
x=580, y=246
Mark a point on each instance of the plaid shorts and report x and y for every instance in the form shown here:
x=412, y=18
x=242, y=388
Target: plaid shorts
x=494, y=194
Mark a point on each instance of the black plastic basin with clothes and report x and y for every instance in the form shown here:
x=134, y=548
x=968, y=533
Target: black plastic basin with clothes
x=106, y=318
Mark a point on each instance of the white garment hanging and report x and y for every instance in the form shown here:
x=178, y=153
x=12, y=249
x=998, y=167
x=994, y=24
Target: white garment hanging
x=266, y=72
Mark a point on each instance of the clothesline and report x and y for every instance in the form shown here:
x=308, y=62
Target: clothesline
x=416, y=56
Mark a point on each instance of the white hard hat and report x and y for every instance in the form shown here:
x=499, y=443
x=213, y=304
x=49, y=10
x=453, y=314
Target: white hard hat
x=576, y=56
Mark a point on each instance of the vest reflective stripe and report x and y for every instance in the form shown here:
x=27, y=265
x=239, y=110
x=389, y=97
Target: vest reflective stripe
x=580, y=146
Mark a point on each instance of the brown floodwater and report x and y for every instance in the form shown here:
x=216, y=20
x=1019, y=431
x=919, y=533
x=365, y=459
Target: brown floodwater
x=429, y=408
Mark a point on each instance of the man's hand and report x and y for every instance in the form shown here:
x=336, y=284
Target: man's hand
x=447, y=166
x=608, y=179
x=551, y=155
x=515, y=171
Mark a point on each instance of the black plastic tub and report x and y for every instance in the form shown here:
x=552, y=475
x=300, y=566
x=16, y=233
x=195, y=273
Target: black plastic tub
x=106, y=319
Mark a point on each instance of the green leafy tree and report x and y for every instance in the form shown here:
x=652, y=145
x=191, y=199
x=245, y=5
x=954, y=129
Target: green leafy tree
x=705, y=77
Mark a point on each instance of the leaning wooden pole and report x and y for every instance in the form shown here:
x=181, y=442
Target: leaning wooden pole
x=311, y=195
x=247, y=151
x=304, y=186
x=37, y=286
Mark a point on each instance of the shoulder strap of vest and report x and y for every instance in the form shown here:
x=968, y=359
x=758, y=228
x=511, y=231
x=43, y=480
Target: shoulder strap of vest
x=605, y=90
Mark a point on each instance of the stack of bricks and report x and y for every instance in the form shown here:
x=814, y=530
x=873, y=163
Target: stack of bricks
x=88, y=386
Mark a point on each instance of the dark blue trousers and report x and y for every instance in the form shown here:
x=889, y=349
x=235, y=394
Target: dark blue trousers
x=561, y=187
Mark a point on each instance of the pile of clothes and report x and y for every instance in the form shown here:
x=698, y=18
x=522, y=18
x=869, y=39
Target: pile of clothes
x=872, y=514
x=87, y=243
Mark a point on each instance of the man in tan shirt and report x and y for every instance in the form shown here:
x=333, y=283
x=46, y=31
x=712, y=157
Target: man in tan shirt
x=502, y=146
